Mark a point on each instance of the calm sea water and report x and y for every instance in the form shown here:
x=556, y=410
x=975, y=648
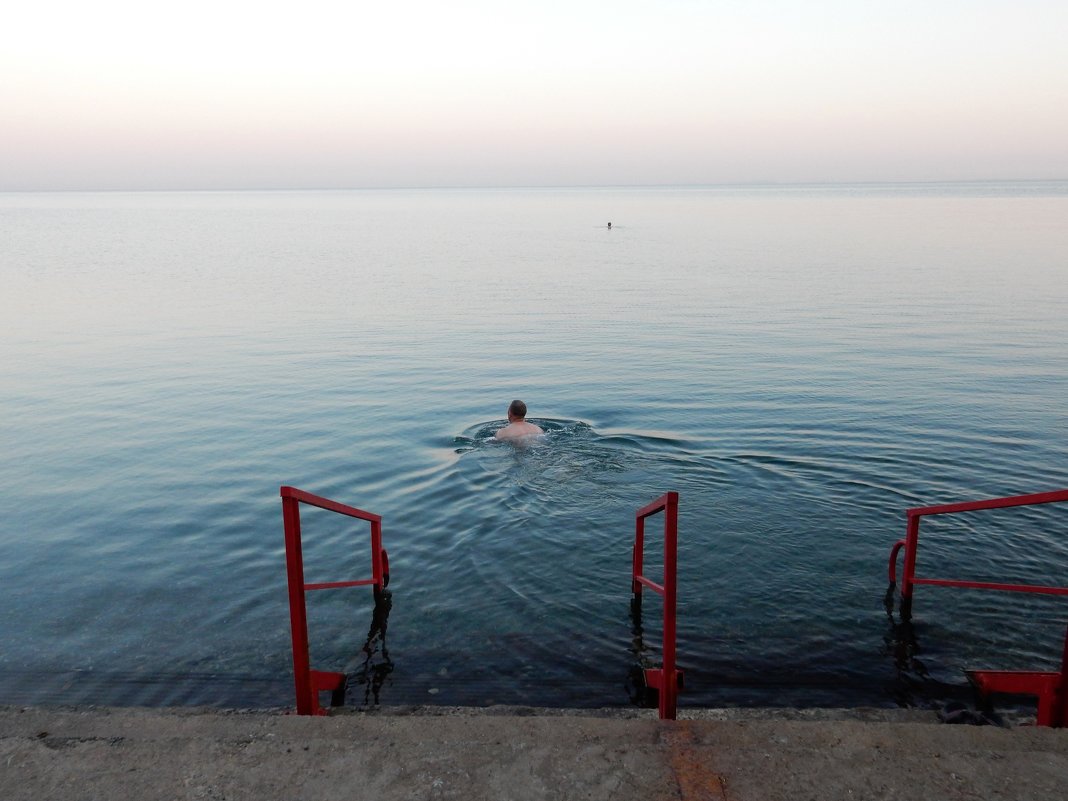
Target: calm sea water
x=800, y=363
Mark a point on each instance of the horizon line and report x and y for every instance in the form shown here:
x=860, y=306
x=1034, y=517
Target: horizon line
x=446, y=187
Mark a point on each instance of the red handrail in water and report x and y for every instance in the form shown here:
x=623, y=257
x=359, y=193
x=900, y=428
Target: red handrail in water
x=912, y=538
x=666, y=679
x=309, y=683
x=1050, y=688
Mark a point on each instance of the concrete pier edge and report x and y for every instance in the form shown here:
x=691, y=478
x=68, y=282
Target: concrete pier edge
x=521, y=753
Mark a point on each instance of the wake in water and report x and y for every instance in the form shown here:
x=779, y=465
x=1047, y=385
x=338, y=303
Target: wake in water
x=558, y=469
x=572, y=460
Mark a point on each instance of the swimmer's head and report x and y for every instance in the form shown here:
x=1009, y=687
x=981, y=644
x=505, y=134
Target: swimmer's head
x=517, y=410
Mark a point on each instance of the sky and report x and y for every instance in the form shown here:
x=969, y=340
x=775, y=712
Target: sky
x=113, y=94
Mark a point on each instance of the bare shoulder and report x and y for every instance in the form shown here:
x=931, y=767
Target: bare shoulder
x=521, y=430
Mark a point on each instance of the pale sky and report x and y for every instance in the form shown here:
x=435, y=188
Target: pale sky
x=111, y=94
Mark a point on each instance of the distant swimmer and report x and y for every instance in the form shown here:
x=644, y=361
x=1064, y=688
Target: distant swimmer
x=518, y=427
x=609, y=225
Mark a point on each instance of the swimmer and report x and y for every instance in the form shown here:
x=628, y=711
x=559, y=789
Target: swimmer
x=518, y=427
x=610, y=225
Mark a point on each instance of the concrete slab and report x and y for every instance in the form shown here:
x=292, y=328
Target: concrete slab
x=432, y=753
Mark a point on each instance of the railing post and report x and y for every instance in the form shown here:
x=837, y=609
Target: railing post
x=376, y=554
x=1060, y=711
x=298, y=614
x=912, y=538
x=669, y=690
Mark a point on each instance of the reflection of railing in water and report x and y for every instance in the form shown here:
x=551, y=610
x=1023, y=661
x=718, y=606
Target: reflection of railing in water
x=1050, y=688
x=309, y=683
x=666, y=680
x=638, y=691
x=913, y=681
x=371, y=674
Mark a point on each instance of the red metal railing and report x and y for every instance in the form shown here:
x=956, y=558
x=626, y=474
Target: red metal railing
x=912, y=538
x=309, y=683
x=1050, y=688
x=666, y=679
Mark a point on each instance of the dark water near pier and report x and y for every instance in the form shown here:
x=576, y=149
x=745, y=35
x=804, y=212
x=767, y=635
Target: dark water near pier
x=801, y=364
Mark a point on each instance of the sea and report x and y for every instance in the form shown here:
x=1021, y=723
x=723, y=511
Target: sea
x=801, y=364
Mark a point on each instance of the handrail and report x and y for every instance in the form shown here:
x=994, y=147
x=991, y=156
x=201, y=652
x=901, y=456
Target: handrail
x=329, y=505
x=310, y=682
x=1051, y=688
x=1032, y=499
x=911, y=543
x=666, y=679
